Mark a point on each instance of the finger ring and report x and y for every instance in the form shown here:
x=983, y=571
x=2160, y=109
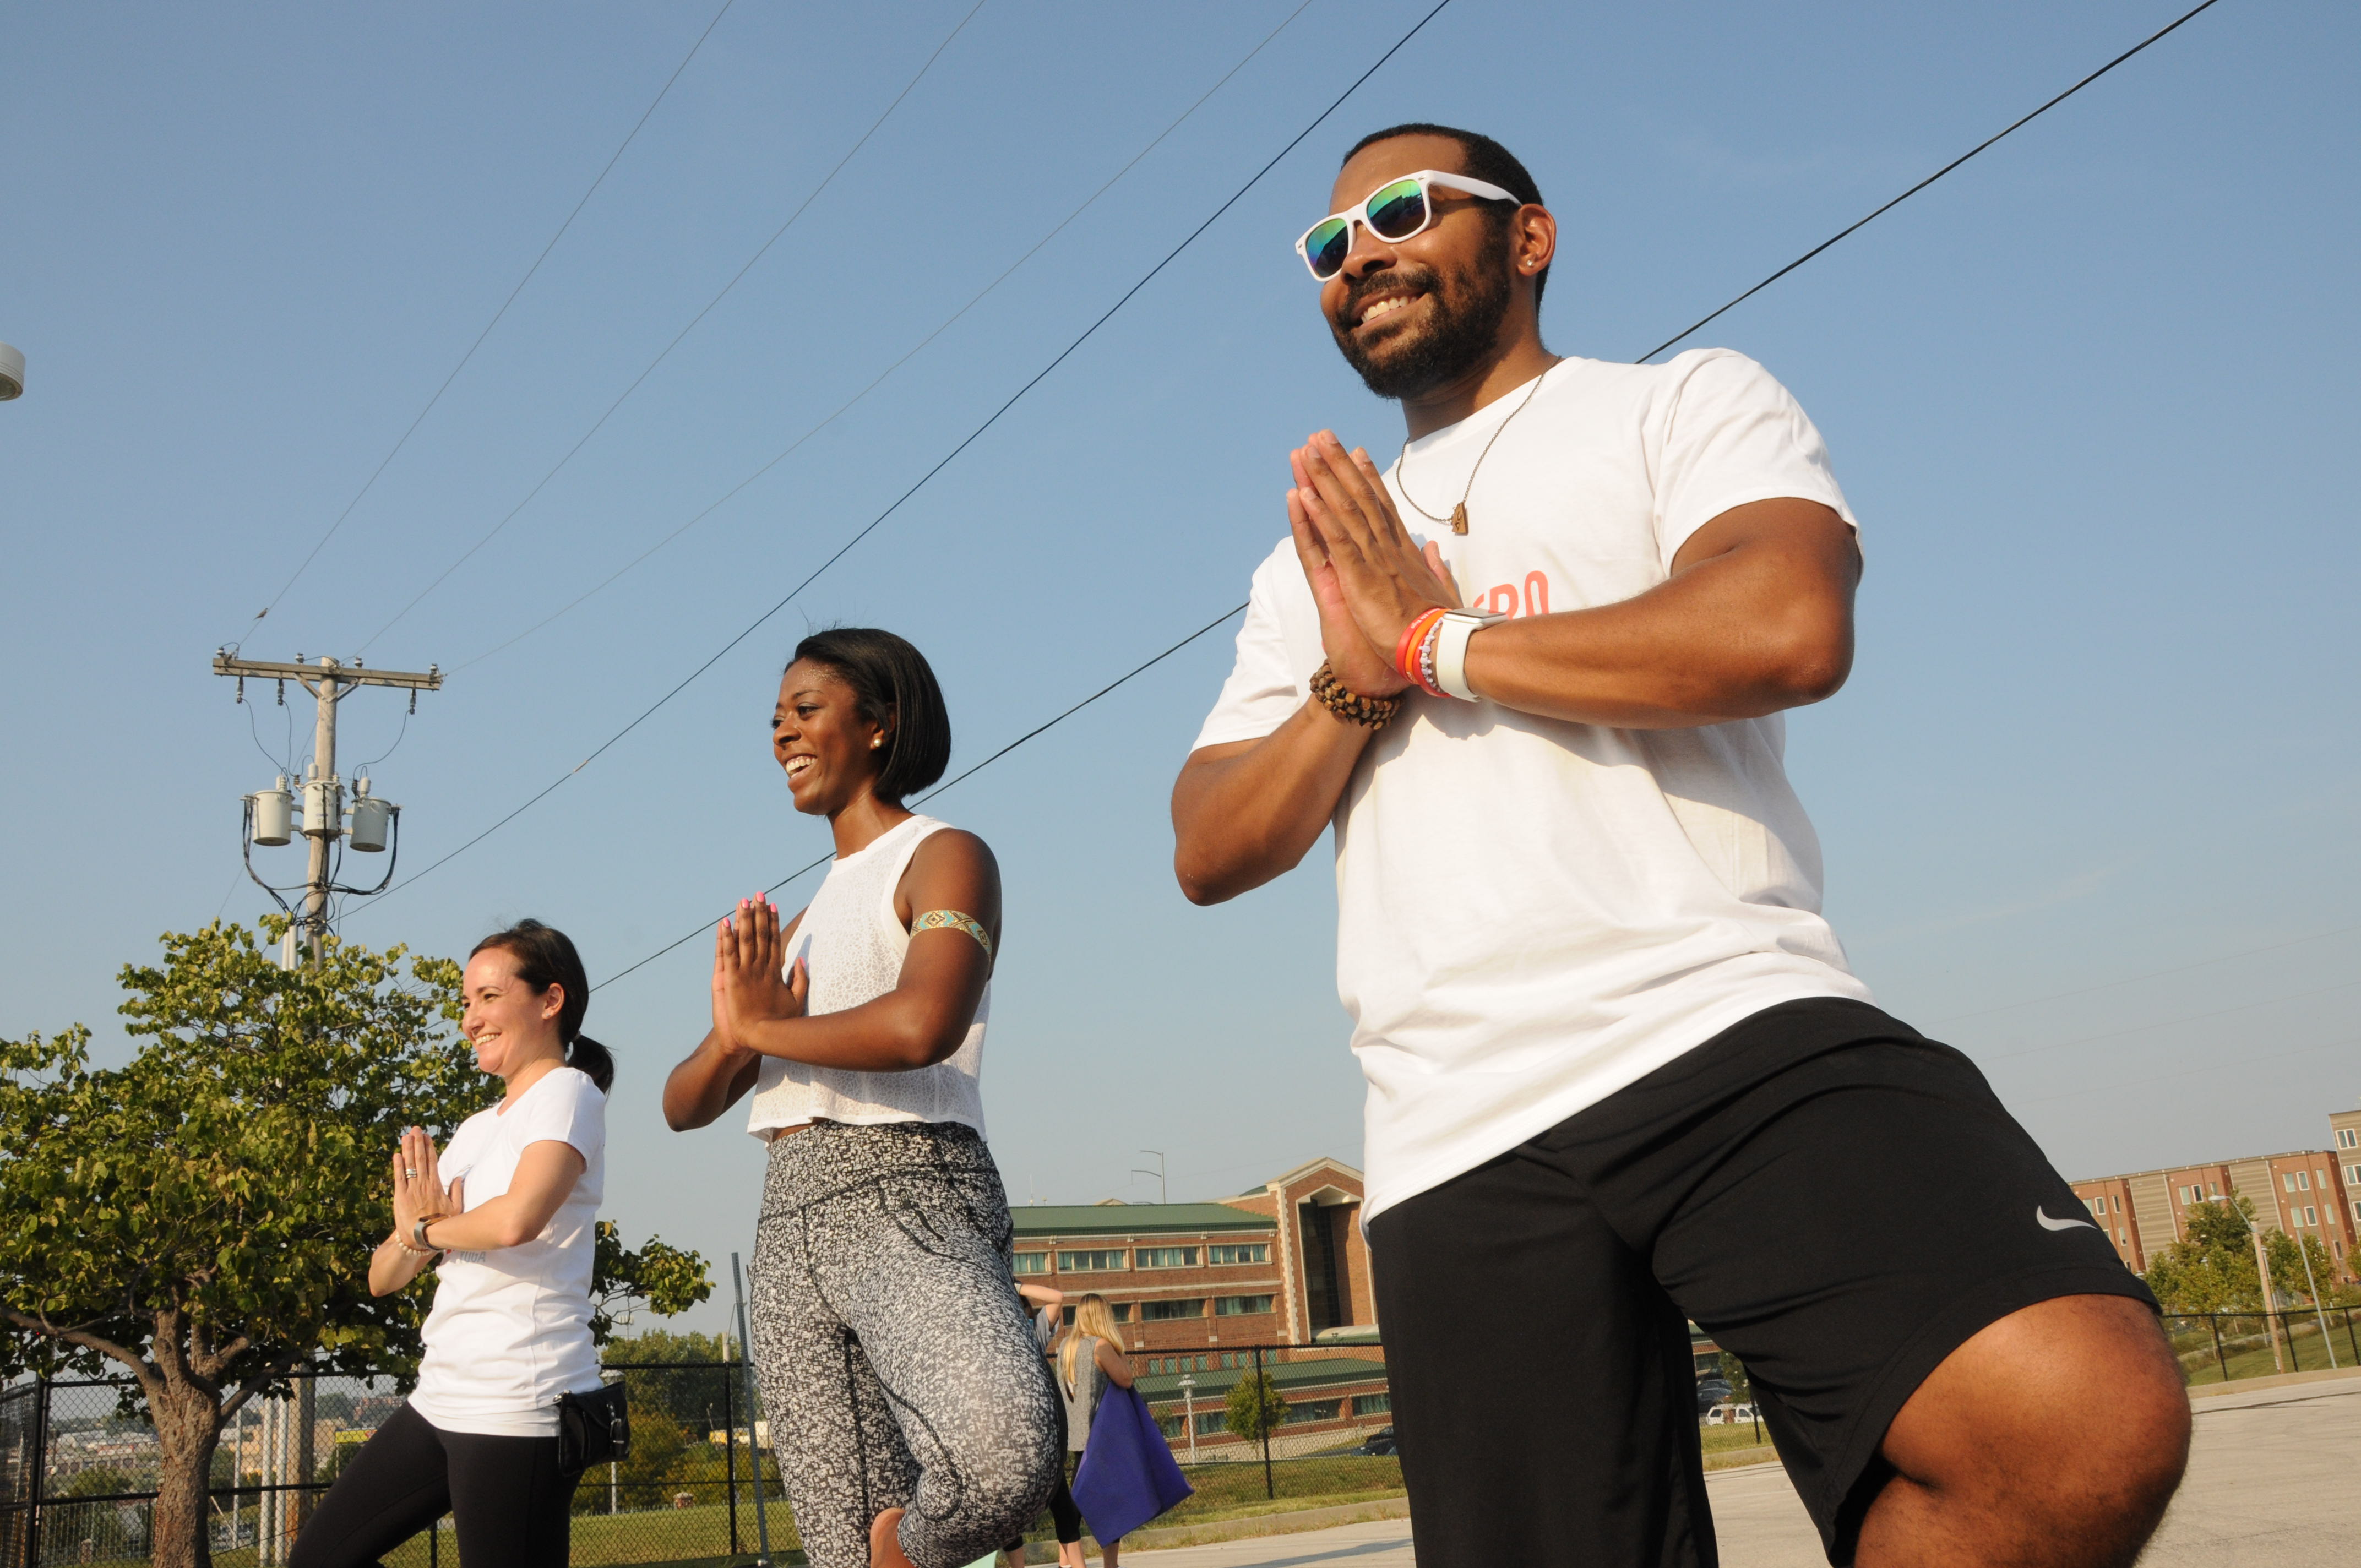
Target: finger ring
x=409, y=1174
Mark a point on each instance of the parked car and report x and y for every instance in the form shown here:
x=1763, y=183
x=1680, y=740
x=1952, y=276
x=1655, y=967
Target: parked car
x=1730, y=1415
x=1711, y=1391
x=1380, y=1442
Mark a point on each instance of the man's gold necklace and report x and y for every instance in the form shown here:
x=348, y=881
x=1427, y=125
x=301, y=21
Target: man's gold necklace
x=1458, y=518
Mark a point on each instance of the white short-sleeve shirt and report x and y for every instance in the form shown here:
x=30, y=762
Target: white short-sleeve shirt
x=511, y=1328
x=1533, y=914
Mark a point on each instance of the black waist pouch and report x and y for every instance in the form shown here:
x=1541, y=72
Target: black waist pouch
x=593, y=1429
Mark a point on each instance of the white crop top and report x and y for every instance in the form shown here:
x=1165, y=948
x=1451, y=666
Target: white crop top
x=853, y=943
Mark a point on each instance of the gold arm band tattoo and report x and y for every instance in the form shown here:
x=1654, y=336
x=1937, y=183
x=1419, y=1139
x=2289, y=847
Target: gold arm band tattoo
x=952, y=920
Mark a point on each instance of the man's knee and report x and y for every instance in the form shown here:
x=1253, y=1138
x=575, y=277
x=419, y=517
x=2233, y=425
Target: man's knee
x=2073, y=1406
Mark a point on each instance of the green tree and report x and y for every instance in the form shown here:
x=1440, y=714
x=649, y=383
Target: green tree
x=687, y=1380
x=1733, y=1371
x=1256, y=1406
x=203, y=1216
x=2211, y=1268
x=2287, y=1276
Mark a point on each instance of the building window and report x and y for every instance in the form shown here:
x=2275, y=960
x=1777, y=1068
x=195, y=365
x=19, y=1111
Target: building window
x=1122, y=1311
x=2096, y=1205
x=2119, y=1203
x=2288, y=1181
x=1213, y=1422
x=1164, y=1258
x=1105, y=1260
x=2304, y=1181
x=1238, y=1306
x=1314, y=1410
x=1242, y=1251
x=2353, y=1174
x=1030, y=1263
x=2347, y=1138
x=1160, y=1311
x=2310, y=1215
x=1373, y=1404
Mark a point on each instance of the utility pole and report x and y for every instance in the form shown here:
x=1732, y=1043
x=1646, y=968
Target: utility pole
x=329, y=681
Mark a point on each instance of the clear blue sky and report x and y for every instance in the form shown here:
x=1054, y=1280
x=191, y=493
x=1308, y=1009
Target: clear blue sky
x=2086, y=394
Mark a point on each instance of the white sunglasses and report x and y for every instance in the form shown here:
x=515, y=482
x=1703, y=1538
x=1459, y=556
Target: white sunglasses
x=1394, y=212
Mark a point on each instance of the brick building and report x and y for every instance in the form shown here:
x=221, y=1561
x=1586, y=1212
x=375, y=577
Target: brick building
x=2304, y=1192
x=1276, y=1265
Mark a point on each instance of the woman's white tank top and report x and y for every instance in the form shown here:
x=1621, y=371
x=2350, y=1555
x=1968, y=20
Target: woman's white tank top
x=853, y=942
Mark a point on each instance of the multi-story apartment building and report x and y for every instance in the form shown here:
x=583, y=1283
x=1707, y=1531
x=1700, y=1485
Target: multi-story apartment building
x=1278, y=1265
x=2304, y=1192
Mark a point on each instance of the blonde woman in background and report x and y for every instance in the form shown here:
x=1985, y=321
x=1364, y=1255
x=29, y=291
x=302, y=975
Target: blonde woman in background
x=1089, y=1358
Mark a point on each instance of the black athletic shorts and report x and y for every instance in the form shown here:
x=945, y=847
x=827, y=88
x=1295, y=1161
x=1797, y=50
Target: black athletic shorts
x=1837, y=1201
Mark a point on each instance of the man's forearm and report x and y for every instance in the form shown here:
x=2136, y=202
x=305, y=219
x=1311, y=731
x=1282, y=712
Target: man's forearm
x=1246, y=813
x=1762, y=622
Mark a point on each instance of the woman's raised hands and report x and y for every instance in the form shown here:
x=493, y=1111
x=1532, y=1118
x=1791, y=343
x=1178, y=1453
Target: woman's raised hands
x=418, y=1190
x=748, y=988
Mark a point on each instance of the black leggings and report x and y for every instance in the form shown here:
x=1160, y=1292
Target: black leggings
x=506, y=1497
x=1063, y=1513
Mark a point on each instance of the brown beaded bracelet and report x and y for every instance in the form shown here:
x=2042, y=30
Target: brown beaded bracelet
x=1369, y=712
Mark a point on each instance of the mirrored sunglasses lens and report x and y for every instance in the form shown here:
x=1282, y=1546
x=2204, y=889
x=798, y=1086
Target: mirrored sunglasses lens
x=1398, y=211
x=1326, y=246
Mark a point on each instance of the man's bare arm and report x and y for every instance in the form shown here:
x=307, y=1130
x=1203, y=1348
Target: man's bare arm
x=1246, y=812
x=1756, y=617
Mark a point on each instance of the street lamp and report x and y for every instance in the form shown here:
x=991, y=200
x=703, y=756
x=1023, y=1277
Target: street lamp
x=1189, y=1412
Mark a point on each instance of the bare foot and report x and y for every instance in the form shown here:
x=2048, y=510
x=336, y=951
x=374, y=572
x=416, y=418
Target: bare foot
x=886, y=1542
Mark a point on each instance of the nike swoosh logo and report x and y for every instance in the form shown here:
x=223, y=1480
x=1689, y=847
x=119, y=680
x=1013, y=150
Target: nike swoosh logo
x=2049, y=1225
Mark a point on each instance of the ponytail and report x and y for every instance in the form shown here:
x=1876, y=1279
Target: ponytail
x=592, y=1059
x=545, y=956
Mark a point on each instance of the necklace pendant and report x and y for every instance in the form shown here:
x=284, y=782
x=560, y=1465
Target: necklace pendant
x=1460, y=518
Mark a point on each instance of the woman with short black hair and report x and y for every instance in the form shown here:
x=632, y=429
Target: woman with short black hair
x=509, y=1334
x=912, y=1412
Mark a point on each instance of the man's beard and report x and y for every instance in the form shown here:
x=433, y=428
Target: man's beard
x=1465, y=329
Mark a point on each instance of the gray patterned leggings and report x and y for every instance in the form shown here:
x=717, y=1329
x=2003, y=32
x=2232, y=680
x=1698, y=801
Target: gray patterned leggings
x=898, y=1367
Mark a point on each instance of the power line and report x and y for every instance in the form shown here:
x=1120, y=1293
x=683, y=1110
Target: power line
x=370, y=482
x=736, y=277
x=846, y=407
x=969, y=440
x=1128, y=295
x=962, y=776
x=1906, y=195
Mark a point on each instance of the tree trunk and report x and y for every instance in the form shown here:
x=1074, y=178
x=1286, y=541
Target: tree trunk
x=188, y=1428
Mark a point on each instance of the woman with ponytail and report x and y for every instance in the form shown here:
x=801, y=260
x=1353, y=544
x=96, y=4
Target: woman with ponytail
x=509, y=1334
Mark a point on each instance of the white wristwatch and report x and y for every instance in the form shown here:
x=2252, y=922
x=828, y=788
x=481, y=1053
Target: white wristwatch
x=1451, y=649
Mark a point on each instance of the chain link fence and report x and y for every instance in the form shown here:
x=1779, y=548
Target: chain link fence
x=1254, y=1428
x=78, y=1467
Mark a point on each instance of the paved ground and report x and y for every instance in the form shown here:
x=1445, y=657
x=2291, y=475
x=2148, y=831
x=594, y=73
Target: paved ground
x=2274, y=1482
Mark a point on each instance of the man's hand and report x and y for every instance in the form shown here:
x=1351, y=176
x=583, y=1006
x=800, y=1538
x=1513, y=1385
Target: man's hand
x=748, y=986
x=1367, y=578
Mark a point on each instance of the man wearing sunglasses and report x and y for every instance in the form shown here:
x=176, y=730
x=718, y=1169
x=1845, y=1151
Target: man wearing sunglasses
x=1621, y=1075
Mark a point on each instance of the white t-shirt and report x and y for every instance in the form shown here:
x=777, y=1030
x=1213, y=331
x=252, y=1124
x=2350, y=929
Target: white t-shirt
x=511, y=1328
x=1533, y=914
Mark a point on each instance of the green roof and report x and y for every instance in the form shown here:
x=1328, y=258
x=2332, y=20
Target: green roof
x=1289, y=1377
x=1042, y=1221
